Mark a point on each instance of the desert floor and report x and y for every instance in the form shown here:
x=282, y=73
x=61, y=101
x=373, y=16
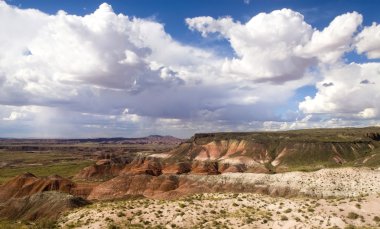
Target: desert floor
x=244, y=210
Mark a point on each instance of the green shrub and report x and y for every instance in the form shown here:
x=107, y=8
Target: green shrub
x=288, y=210
x=352, y=215
x=113, y=226
x=120, y=214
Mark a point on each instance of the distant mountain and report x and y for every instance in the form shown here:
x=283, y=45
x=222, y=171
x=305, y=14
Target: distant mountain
x=152, y=139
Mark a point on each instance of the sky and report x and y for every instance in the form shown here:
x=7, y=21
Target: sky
x=85, y=69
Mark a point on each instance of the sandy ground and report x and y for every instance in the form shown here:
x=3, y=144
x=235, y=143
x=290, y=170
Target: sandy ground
x=340, y=182
x=230, y=211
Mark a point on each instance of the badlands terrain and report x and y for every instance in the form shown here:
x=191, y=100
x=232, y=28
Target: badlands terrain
x=320, y=178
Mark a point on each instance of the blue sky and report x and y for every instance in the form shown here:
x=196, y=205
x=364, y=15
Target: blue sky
x=189, y=66
x=172, y=13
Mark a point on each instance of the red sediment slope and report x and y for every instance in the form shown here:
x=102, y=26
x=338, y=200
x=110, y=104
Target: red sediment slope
x=27, y=184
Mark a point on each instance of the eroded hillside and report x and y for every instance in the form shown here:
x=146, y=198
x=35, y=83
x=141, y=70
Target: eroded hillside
x=323, y=163
x=257, y=152
x=281, y=151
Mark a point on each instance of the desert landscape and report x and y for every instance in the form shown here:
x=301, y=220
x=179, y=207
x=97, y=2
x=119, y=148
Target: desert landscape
x=220, y=114
x=317, y=178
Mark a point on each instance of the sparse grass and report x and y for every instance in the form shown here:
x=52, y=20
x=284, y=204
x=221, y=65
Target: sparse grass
x=45, y=157
x=41, y=224
x=215, y=211
x=46, y=224
x=4, y=224
x=64, y=169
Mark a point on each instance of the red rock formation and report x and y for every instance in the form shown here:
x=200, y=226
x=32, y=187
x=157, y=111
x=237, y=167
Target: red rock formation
x=205, y=167
x=163, y=186
x=143, y=165
x=175, y=186
x=83, y=189
x=27, y=184
x=103, y=169
x=120, y=187
x=177, y=168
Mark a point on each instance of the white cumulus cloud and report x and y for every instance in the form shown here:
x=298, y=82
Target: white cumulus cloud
x=348, y=95
x=264, y=46
x=108, y=74
x=368, y=41
x=332, y=42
